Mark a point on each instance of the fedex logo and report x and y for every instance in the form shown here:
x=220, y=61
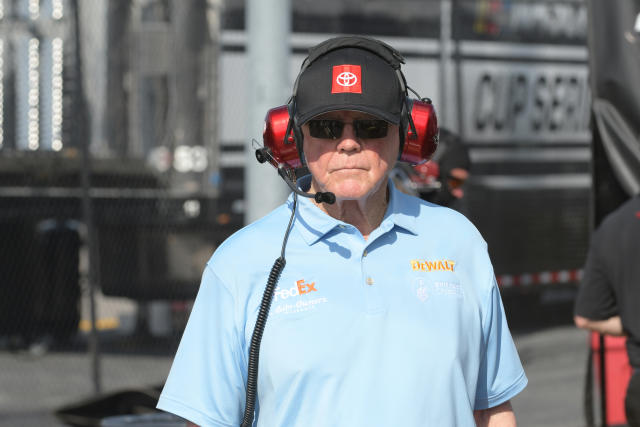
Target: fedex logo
x=300, y=288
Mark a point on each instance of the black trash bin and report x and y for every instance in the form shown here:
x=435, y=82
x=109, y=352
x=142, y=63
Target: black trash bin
x=40, y=289
x=56, y=303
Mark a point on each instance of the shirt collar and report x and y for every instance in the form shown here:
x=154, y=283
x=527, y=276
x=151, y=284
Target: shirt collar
x=402, y=210
x=314, y=223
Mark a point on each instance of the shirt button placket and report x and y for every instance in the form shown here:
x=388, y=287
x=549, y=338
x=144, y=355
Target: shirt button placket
x=372, y=294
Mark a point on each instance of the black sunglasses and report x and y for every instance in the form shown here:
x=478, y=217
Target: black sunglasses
x=332, y=129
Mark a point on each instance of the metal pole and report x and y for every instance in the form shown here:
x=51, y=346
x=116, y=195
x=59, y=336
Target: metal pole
x=445, y=57
x=458, y=64
x=603, y=381
x=269, y=85
x=595, y=216
x=212, y=136
x=81, y=134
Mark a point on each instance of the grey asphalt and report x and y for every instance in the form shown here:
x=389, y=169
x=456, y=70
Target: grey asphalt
x=555, y=362
x=32, y=387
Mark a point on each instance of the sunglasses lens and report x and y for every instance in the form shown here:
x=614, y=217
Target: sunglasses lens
x=332, y=129
x=325, y=129
x=370, y=129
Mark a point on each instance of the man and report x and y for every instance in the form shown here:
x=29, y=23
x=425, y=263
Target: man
x=608, y=298
x=387, y=311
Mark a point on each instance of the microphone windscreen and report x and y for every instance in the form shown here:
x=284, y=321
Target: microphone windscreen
x=327, y=197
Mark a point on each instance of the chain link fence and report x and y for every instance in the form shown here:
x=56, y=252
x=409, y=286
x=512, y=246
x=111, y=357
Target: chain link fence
x=110, y=191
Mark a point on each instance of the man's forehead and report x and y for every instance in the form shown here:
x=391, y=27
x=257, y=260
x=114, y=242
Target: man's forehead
x=342, y=114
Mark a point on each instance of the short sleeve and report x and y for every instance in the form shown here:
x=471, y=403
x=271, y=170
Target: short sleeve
x=501, y=375
x=596, y=299
x=206, y=384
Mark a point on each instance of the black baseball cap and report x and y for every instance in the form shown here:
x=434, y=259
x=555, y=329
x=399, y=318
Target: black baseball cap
x=350, y=78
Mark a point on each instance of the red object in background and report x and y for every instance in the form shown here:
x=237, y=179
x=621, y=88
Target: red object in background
x=426, y=172
x=617, y=374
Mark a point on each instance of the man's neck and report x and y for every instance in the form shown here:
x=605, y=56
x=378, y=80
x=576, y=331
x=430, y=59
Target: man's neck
x=366, y=215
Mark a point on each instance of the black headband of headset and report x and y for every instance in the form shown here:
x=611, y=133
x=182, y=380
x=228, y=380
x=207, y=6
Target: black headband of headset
x=388, y=53
x=392, y=56
x=382, y=49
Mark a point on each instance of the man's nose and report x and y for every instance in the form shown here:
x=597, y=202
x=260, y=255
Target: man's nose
x=348, y=140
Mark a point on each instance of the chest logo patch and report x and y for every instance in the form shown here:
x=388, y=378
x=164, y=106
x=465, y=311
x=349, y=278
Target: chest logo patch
x=295, y=299
x=428, y=266
x=425, y=289
x=300, y=288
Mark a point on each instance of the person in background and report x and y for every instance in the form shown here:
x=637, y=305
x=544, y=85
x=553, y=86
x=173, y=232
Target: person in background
x=386, y=312
x=442, y=179
x=608, y=298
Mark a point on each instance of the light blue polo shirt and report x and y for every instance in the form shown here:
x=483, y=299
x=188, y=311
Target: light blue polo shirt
x=405, y=328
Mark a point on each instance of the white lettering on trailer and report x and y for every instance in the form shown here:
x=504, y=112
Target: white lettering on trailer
x=510, y=102
x=554, y=19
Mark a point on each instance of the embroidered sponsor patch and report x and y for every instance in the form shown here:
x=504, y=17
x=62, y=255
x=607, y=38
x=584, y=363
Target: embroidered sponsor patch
x=437, y=265
x=425, y=289
x=299, y=298
x=346, y=78
x=422, y=292
x=299, y=306
x=448, y=288
x=300, y=288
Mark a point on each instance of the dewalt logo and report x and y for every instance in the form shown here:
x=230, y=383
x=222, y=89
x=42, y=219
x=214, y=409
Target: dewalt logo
x=437, y=265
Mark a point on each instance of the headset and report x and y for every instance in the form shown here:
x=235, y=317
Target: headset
x=282, y=137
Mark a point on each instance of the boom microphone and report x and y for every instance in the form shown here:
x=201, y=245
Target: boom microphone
x=319, y=197
x=263, y=155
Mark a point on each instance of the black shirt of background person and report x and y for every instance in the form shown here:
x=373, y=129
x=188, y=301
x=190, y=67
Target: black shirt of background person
x=611, y=281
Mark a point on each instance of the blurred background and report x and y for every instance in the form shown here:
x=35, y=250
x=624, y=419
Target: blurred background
x=126, y=158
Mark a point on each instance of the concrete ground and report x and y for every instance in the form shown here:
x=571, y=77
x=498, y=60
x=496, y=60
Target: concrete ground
x=32, y=387
x=555, y=363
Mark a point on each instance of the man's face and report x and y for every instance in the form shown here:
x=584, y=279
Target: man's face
x=350, y=166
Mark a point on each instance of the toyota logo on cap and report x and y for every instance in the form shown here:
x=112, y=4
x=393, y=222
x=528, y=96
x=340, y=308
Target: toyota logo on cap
x=347, y=78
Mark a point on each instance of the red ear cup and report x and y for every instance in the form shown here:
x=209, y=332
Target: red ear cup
x=282, y=151
x=419, y=148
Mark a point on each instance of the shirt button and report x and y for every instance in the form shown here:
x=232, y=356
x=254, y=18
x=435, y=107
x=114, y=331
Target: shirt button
x=369, y=281
x=342, y=226
x=365, y=253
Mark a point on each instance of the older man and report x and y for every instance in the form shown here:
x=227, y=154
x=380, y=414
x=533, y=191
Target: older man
x=387, y=311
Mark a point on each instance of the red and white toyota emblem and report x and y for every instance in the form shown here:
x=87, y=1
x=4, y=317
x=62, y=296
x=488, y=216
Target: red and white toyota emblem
x=346, y=78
